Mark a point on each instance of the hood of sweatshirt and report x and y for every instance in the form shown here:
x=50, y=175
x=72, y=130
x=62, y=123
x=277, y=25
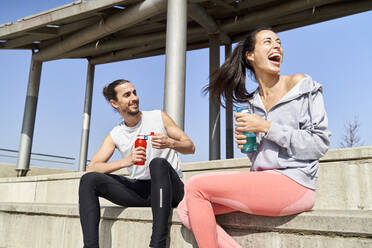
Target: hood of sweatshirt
x=306, y=86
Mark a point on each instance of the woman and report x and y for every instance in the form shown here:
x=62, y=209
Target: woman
x=292, y=134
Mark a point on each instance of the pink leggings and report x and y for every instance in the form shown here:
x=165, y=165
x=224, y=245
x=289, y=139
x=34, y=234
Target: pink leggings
x=267, y=193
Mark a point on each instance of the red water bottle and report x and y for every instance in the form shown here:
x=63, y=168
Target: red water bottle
x=140, y=141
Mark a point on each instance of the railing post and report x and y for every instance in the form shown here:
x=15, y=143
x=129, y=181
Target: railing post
x=214, y=107
x=25, y=144
x=229, y=118
x=86, y=118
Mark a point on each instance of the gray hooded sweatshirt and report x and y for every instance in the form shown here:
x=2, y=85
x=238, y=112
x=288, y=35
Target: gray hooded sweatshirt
x=298, y=134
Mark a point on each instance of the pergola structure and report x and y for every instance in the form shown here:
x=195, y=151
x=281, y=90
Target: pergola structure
x=104, y=31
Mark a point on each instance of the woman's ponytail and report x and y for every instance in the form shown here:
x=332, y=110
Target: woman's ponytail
x=227, y=84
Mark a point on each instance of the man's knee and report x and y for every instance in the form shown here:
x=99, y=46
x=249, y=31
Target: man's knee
x=89, y=179
x=158, y=164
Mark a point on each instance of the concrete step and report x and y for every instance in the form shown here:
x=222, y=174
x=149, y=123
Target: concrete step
x=57, y=225
x=9, y=170
x=345, y=181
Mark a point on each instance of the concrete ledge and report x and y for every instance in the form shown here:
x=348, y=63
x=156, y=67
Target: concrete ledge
x=332, y=222
x=345, y=154
x=9, y=170
x=353, y=228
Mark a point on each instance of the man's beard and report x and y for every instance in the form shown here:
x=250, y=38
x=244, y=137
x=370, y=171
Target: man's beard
x=133, y=113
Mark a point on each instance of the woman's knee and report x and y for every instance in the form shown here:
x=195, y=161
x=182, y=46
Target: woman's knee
x=194, y=185
x=183, y=214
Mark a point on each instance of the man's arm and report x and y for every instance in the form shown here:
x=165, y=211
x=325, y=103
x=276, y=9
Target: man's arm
x=176, y=138
x=99, y=160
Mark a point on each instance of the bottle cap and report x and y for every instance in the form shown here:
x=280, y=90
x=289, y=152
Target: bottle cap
x=141, y=136
x=242, y=110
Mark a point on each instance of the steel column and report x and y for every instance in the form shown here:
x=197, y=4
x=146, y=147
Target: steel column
x=25, y=144
x=214, y=107
x=175, y=65
x=86, y=118
x=229, y=118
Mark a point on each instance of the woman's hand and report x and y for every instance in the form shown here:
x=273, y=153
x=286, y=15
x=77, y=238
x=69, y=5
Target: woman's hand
x=161, y=141
x=240, y=139
x=251, y=123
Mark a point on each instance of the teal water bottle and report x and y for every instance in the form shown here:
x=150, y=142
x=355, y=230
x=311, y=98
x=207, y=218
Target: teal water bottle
x=251, y=144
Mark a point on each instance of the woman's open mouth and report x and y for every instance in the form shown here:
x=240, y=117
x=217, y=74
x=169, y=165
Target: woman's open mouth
x=275, y=58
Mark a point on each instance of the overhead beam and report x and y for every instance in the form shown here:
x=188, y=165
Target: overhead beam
x=74, y=26
x=258, y=17
x=249, y=3
x=144, y=27
x=56, y=15
x=226, y=5
x=122, y=42
x=67, y=29
x=46, y=33
x=130, y=16
x=101, y=47
x=319, y=14
x=25, y=40
x=198, y=14
x=116, y=56
x=161, y=52
x=142, y=48
x=326, y=13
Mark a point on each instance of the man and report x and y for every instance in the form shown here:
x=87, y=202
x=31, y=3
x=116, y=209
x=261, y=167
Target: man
x=156, y=184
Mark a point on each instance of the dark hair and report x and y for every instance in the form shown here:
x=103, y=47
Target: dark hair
x=227, y=84
x=109, y=91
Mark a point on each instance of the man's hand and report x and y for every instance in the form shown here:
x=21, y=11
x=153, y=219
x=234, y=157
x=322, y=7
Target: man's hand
x=161, y=141
x=137, y=155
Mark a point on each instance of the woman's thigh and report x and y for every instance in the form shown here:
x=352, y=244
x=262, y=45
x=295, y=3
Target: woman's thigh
x=264, y=193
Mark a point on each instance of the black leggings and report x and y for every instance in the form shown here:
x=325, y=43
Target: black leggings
x=162, y=192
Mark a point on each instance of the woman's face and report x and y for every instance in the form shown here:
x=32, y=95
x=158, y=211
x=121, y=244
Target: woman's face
x=268, y=54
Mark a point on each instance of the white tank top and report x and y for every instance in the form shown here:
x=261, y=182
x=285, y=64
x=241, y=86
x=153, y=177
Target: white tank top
x=124, y=138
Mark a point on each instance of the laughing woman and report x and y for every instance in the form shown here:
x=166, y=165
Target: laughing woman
x=291, y=124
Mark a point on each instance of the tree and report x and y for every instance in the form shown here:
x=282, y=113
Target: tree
x=351, y=137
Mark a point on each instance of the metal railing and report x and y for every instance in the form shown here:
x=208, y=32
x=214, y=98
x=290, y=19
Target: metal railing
x=12, y=154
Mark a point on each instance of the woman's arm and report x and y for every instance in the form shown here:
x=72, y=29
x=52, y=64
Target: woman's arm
x=310, y=142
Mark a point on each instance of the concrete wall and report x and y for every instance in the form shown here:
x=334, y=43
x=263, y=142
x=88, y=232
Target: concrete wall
x=342, y=184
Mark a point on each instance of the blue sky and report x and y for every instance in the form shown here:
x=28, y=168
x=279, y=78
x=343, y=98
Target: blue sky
x=336, y=53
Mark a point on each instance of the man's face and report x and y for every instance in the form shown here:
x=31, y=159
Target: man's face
x=127, y=99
